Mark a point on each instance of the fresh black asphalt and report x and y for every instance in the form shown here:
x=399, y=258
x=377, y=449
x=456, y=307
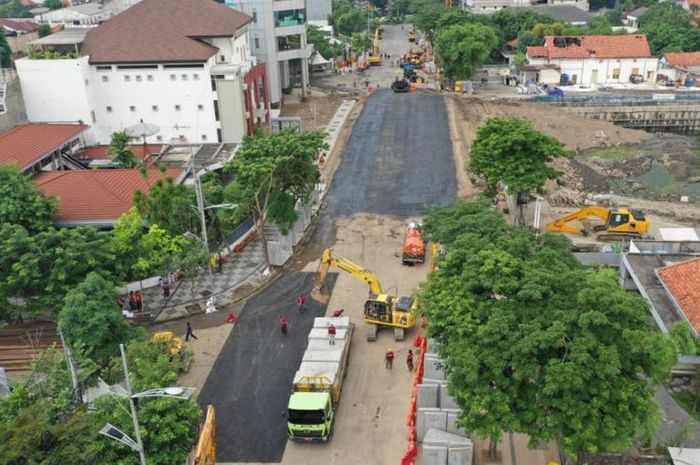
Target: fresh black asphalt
x=398, y=161
x=250, y=381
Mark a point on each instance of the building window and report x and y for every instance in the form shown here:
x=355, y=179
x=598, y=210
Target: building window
x=184, y=77
x=634, y=61
x=600, y=61
x=255, y=16
x=92, y=115
x=650, y=74
x=616, y=73
x=154, y=107
x=105, y=78
x=104, y=68
x=195, y=77
x=127, y=78
x=173, y=77
x=290, y=18
x=222, y=58
x=257, y=42
x=200, y=107
x=159, y=138
x=138, y=78
x=177, y=107
x=149, y=77
x=132, y=108
x=204, y=137
x=216, y=110
x=109, y=109
x=218, y=135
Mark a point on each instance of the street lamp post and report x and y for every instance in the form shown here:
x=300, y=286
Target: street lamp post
x=118, y=435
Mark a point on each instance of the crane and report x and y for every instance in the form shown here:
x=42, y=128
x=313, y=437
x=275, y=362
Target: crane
x=380, y=309
x=618, y=224
x=205, y=452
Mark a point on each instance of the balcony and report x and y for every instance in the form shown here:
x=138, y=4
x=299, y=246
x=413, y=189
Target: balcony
x=282, y=5
x=288, y=18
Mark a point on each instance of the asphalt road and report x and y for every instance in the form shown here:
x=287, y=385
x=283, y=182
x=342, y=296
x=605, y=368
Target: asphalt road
x=397, y=162
x=250, y=381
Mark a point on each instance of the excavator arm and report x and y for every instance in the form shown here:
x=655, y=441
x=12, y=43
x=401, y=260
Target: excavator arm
x=562, y=224
x=366, y=276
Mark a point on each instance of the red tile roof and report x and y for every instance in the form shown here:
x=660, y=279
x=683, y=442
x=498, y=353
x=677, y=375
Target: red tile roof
x=97, y=196
x=683, y=60
x=694, y=12
x=101, y=152
x=24, y=26
x=682, y=280
x=616, y=46
x=25, y=144
x=161, y=31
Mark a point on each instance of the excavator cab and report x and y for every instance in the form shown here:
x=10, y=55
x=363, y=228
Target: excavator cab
x=378, y=309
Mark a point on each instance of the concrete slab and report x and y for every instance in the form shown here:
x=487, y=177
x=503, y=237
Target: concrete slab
x=433, y=455
x=434, y=369
x=427, y=419
x=439, y=437
x=339, y=322
x=446, y=401
x=452, y=424
x=460, y=455
x=427, y=395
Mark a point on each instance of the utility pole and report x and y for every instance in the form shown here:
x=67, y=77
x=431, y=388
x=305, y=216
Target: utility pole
x=71, y=366
x=139, y=443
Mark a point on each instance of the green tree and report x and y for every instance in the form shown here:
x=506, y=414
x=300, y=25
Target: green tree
x=53, y=4
x=524, y=330
x=5, y=51
x=346, y=18
x=360, y=42
x=91, y=317
x=511, y=150
x=43, y=30
x=22, y=203
x=119, y=150
x=272, y=173
x=512, y=25
x=668, y=28
x=427, y=14
x=321, y=42
x=170, y=206
x=463, y=47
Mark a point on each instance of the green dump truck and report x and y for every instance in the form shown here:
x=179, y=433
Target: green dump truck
x=318, y=382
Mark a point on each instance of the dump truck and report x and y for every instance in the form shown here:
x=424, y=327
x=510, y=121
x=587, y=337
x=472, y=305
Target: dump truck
x=413, y=246
x=318, y=382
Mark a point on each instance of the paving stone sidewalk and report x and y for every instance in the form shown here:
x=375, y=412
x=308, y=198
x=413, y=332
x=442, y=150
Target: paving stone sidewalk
x=240, y=274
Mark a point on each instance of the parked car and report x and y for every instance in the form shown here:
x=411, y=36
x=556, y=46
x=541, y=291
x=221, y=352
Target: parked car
x=636, y=78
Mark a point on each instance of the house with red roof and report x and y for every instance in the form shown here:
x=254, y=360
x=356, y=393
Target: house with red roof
x=681, y=281
x=98, y=197
x=591, y=60
x=35, y=147
x=18, y=33
x=183, y=66
x=679, y=66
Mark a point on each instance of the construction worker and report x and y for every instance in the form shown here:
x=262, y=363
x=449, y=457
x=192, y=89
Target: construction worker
x=331, y=334
x=283, y=325
x=409, y=360
x=389, y=359
x=301, y=302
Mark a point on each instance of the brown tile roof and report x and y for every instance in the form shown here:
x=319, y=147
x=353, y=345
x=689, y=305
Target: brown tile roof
x=25, y=144
x=161, y=31
x=683, y=60
x=101, y=152
x=616, y=46
x=97, y=196
x=24, y=26
x=682, y=280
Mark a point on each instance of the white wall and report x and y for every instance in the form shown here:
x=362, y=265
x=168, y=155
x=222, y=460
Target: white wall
x=56, y=90
x=583, y=69
x=69, y=17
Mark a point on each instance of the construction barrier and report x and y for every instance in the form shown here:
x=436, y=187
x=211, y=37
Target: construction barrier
x=410, y=455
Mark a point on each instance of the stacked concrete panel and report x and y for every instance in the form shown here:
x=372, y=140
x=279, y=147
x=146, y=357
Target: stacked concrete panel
x=443, y=442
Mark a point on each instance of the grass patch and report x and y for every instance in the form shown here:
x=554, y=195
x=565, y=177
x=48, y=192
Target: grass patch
x=622, y=152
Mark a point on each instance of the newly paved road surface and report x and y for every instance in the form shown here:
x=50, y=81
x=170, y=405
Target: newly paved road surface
x=250, y=381
x=398, y=161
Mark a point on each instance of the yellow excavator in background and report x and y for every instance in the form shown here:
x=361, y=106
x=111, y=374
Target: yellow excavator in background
x=381, y=309
x=412, y=35
x=375, y=59
x=619, y=224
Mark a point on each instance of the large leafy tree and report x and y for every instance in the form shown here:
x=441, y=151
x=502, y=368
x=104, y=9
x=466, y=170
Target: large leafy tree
x=272, y=173
x=346, y=18
x=21, y=203
x=513, y=151
x=535, y=344
x=5, y=51
x=669, y=28
x=169, y=205
x=321, y=42
x=461, y=48
x=120, y=152
x=91, y=317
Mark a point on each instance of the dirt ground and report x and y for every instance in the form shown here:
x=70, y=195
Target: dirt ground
x=325, y=107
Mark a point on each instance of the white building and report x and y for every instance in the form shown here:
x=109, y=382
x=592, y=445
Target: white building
x=679, y=66
x=183, y=65
x=597, y=59
x=491, y=6
x=278, y=39
x=85, y=15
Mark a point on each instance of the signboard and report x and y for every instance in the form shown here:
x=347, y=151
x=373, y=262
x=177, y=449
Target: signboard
x=285, y=122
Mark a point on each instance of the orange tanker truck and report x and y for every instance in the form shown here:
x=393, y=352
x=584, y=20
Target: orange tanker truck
x=413, y=246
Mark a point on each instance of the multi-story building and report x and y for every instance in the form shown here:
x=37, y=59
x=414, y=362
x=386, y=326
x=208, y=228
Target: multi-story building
x=182, y=65
x=278, y=39
x=491, y=6
x=596, y=59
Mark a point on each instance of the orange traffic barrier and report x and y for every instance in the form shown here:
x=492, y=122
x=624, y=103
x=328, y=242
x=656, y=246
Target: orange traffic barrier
x=417, y=341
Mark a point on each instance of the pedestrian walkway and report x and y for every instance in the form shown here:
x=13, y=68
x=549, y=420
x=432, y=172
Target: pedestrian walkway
x=240, y=274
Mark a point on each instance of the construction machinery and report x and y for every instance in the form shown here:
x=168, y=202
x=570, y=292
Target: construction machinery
x=381, y=310
x=400, y=85
x=619, y=224
x=375, y=59
x=205, y=451
x=318, y=382
x=412, y=35
x=413, y=246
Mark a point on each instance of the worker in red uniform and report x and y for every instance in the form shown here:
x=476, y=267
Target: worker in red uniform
x=331, y=334
x=283, y=325
x=409, y=360
x=389, y=359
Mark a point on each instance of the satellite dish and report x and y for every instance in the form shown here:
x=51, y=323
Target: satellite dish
x=142, y=130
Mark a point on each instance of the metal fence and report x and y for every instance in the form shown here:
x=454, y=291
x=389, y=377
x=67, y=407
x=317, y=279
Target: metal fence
x=240, y=230
x=648, y=99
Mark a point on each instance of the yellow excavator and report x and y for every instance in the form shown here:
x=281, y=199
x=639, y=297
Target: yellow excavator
x=375, y=59
x=205, y=451
x=381, y=309
x=619, y=224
